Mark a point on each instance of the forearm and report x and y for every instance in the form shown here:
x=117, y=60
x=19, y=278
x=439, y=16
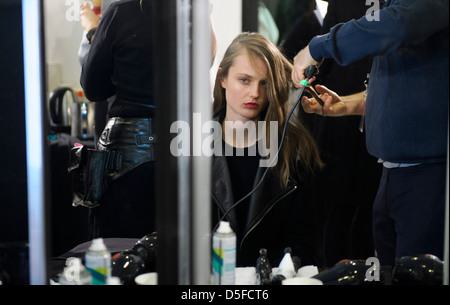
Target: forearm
x=213, y=42
x=379, y=37
x=88, y=19
x=354, y=103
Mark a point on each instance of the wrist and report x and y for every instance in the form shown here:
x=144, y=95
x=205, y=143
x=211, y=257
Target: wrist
x=315, y=48
x=90, y=34
x=355, y=103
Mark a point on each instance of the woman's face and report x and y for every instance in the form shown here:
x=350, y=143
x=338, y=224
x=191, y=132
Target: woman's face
x=245, y=88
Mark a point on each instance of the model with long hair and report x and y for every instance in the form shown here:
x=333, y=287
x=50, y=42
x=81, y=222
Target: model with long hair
x=253, y=85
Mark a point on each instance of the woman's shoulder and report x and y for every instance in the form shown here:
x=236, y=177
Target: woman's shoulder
x=125, y=5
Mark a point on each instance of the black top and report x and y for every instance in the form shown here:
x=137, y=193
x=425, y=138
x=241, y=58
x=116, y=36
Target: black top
x=242, y=166
x=275, y=216
x=120, y=60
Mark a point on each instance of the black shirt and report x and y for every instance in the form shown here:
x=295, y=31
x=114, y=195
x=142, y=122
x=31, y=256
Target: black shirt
x=242, y=165
x=120, y=60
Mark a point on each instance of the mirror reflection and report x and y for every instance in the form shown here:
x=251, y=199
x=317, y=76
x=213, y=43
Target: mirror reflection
x=105, y=112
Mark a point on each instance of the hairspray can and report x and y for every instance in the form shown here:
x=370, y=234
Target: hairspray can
x=224, y=255
x=98, y=262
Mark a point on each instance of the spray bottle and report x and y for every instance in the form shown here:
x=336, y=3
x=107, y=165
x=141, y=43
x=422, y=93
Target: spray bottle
x=224, y=255
x=98, y=262
x=286, y=269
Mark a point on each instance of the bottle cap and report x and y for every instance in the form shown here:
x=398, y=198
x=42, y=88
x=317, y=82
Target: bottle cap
x=97, y=245
x=224, y=227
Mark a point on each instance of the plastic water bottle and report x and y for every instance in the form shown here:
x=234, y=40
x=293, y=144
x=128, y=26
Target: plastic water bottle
x=98, y=262
x=224, y=255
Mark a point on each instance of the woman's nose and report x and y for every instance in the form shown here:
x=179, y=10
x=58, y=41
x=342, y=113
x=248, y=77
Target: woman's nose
x=254, y=90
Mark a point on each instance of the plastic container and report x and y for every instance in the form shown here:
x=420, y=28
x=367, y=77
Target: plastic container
x=98, y=262
x=224, y=255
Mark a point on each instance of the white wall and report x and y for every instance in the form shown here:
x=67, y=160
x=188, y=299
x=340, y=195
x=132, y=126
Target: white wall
x=63, y=34
x=227, y=22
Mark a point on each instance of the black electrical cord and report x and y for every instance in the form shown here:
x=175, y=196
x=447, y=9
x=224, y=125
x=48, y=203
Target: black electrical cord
x=309, y=72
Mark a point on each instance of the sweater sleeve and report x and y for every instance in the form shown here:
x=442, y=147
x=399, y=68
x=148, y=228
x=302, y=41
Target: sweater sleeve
x=98, y=67
x=402, y=23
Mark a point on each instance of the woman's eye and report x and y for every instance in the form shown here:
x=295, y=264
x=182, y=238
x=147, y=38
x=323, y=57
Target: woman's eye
x=264, y=83
x=244, y=80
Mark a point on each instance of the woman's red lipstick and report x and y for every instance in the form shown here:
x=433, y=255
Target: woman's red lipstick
x=251, y=105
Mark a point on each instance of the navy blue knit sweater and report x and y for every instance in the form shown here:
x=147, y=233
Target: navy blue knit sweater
x=407, y=103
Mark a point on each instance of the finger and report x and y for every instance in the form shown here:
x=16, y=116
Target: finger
x=314, y=95
x=327, y=108
x=321, y=89
x=296, y=77
x=306, y=104
x=312, y=106
x=294, y=80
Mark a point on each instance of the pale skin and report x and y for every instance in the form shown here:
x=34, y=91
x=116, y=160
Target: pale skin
x=246, y=95
x=302, y=61
x=88, y=18
x=334, y=105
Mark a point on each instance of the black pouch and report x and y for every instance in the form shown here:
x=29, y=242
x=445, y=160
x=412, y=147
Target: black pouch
x=91, y=172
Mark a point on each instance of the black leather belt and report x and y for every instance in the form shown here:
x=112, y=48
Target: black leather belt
x=133, y=138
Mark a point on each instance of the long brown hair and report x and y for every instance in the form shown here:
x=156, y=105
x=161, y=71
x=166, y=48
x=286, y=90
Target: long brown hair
x=299, y=155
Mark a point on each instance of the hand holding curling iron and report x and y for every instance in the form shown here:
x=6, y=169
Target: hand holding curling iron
x=326, y=102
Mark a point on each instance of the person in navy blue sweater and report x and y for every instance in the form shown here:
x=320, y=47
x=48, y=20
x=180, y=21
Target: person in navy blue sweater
x=406, y=115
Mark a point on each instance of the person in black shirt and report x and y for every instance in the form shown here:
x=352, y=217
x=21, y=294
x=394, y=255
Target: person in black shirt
x=351, y=173
x=252, y=88
x=303, y=27
x=89, y=21
x=120, y=60
x=120, y=63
